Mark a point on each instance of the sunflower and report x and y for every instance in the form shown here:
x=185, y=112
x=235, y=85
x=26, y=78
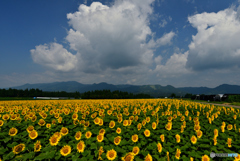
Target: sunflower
x=139, y=126
x=5, y=117
x=162, y=137
x=223, y=124
x=182, y=118
x=205, y=158
x=135, y=150
x=182, y=128
x=75, y=116
x=154, y=125
x=128, y=157
x=143, y=122
x=18, y=148
x=100, y=137
x=88, y=134
x=100, y=151
x=64, y=131
x=148, y=119
x=111, y=124
x=48, y=125
x=125, y=123
x=37, y=146
x=170, y=118
x=65, y=150
x=41, y=122
x=159, y=147
x=117, y=140
x=178, y=138
x=178, y=153
x=1, y=123
x=148, y=158
x=169, y=126
x=193, y=139
x=120, y=119
x=229, y=141
x=34, y=118
x=135, y=138
x=191, y=158
x=118, y=130
x=13, y=131
x=78, y=135
x=101, y=122
x=199, y=134
x=190, y=118
x=237, y=158
x=197, y=127
x=58, y=135
x=215, y=132
x=54, y=140
x=59, y=120
x=80, y=147
x=54, y=121
x=111, y=154
x=97, y=120
x=102, y=131
x=33, y=134
x=215, y=140
x=223, y=128
x=136, y=118
x=229, y=127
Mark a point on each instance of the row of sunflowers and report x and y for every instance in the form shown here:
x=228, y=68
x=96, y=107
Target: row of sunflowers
x=140, y=129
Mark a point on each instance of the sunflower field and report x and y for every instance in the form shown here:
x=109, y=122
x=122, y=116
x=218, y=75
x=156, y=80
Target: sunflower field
x=140, y=129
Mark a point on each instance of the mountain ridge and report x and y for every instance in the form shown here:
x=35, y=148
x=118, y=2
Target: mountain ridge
x=153, y=90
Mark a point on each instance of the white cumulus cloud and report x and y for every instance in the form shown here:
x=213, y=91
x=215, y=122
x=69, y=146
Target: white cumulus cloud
x=216, y=44
x=54, y=56
x=106, y=38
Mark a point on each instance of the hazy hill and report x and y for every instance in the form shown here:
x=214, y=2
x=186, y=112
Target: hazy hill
x=153, y=90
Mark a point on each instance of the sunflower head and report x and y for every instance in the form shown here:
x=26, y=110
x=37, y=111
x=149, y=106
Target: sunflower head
x=111, y=154
x=205, y=158
x=135, y=150
x=80, y=147
x=159, y=147
x=33, y=134
x=75, y=116
x=199, y=134
x=148, y=158
x=125, y=123
x=111, y=124
x=118, y=130
x=88, y=134
x=148, y=119
x=193, y=139
x=128, y=157
x=102, y=131
x=54, y=140
x=97, y=120
x=162, y=137
x=65, y=150
x=41, y=122
x=147, y=133
x=229, y=141
x=13, y=131
x=117, y=140
x=48, y=125
x=100, y=137
x=229, y=127
x=139, y=126
x=64, y=131
x=135, y=138
x=178, y=138
x=178, y=153
x=37, y=146
x=18, y=148
x=78, y=135
x=154, y=125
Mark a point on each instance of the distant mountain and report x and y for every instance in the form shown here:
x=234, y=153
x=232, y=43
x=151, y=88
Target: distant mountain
x=72, y=86
x=153, y=90
x=222, y=89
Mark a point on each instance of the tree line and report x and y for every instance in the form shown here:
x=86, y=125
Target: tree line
x=97, y=94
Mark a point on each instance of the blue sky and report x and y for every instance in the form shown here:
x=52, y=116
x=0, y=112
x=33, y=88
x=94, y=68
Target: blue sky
x=167, y=42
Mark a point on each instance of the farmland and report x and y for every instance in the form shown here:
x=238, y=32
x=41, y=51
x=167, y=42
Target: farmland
x=130, y=129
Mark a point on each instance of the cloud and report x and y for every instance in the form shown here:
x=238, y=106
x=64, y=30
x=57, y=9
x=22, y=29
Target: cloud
x=174, y=67
x=105, y=38
x=54, y=56
x=163, y=23
x=216, y=44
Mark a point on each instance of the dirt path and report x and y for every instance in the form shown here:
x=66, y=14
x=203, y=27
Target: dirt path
x=220, y=104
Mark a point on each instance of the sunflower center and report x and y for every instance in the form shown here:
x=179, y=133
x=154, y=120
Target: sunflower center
x=111, y=155
x=65, y=150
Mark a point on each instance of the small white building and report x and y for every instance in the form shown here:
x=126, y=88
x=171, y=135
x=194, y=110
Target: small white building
x=218, y=97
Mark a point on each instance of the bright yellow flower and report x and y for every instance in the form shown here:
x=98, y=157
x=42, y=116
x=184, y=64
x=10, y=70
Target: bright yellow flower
x=100, y=137
x=64, y=131
x=178, y=154
x=147, y=133
x=178, y=138
x=135, y=150
x=229, y=141
x=13, y=131
x=37, y=146
x=88, y=134
x=148, y=158
x=205, y=158
x=111, y=154
x=162, y=137
x=18, y=148
x=159, y=147
x=33, y=134
x=78, y=135
x=128, y=157
x=65, y=150
x=193, y=139
x=80, y=147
